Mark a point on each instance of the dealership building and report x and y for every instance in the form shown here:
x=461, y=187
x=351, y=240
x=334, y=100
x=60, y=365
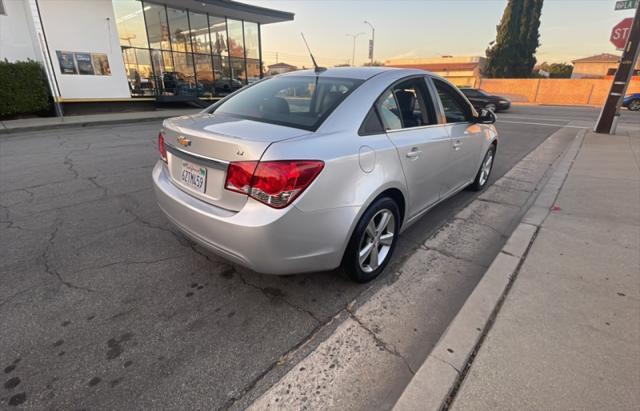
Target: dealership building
x=137, y=50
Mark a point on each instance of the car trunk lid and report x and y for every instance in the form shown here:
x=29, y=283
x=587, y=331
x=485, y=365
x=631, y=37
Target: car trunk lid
x=200, y=147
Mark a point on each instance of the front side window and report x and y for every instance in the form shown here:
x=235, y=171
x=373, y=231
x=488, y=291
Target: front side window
x=407, y=105
x=470, y=92
x=295, y=101
x=455, y=110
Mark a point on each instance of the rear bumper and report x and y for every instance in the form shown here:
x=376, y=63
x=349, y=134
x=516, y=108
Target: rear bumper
x=261, y=238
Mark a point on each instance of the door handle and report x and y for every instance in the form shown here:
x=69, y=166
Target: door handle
x=457, y=145
x=414, y=153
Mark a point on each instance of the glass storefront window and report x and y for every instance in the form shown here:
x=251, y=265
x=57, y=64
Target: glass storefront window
x=137, y=63
x=204, y=75
x=168, y=51
x=182, y=81
x=179, y=30
x=251, y=40
x=218, y=27
x=199, y=33
x=222, y=75
x=157, y=28
x=236, y=38
x=130, y=22
x=162, y=63
x=238, y=72
x=253, y=70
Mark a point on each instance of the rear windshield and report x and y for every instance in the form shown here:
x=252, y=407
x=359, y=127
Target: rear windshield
x=293, y=101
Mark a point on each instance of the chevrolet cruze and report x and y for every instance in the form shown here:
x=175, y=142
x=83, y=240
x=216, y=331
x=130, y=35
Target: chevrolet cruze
x=320, y=169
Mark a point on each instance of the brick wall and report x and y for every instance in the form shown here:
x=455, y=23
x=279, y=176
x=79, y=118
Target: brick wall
x=554, y=91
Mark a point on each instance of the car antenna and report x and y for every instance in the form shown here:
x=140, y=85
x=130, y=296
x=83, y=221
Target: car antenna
x=317, y=69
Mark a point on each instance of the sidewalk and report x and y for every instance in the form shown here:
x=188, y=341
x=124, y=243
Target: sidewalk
x=41, y=123
x=568, y=333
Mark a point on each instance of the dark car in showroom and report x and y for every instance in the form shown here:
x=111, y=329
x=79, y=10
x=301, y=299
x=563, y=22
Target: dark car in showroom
x=632, y=102
x=480, y=99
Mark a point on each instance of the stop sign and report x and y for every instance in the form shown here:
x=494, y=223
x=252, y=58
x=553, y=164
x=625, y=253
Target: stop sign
x=620, y=33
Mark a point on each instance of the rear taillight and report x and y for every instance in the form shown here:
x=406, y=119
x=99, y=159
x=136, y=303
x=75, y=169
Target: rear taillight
x=239, y=176
x=161, y=148
x=274, y=183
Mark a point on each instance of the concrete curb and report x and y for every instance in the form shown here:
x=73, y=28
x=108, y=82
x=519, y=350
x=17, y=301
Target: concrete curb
x=436, y=381
x=18, y=126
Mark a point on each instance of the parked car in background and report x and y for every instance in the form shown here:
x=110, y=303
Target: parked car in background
x=481, y=99
x=310, y=171
x=632, y=102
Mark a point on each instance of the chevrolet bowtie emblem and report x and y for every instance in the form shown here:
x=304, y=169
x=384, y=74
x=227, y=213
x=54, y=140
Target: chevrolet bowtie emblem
x=183, y=141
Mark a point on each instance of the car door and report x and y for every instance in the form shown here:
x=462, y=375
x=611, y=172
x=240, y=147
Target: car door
x=466, y=137
x=410, y=120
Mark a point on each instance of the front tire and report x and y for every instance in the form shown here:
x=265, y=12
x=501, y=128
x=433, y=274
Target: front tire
x=484, y=172
x=372, y=242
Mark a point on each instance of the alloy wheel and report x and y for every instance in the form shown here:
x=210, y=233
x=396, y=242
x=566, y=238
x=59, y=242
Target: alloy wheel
x=634, y=105
x=491, y=107
x=486, y=168
x=376, y=241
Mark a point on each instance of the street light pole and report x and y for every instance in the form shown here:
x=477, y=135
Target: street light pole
x=373, y=35
x=353, y=53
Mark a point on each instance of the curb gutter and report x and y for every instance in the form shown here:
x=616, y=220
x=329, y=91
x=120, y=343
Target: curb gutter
x=435, y=383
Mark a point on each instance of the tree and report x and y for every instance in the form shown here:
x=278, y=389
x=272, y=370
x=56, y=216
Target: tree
x=517, y=39
x=554, y=70
x=560, y=70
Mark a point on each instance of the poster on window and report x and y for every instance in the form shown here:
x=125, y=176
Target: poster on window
x=101, y=64
x=84, y=63
x=66, y=61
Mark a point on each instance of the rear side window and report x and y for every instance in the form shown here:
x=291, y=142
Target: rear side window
x=371, y=124
x=406, y=105
x=455, y=109
x=293, y=101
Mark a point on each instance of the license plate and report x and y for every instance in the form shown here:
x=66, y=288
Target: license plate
x=194, y=176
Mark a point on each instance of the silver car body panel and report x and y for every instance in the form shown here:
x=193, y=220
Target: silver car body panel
x=312, y=233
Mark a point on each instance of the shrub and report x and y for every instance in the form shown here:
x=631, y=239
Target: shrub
x=23, y=88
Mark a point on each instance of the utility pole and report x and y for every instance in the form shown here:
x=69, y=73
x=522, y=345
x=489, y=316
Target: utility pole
x=621, y=80
x=353, y=54
x=373, y=34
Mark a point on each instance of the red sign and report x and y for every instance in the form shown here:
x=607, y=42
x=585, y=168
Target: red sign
x=620, y=33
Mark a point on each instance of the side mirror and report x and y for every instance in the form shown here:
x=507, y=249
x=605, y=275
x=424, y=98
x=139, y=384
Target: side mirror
x=486, y=117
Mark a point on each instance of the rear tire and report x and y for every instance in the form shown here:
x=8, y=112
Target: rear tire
x=484, y=172
x=372, y=242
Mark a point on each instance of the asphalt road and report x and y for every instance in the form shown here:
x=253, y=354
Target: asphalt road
x=104, y=305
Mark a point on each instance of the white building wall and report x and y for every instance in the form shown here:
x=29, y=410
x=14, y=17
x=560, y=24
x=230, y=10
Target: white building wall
x=17, y=41
x=86, y=26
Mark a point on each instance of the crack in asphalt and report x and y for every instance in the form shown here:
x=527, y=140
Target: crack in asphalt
x=380, y=342
x=448, y=254
x=44, y=257
x=282, y=298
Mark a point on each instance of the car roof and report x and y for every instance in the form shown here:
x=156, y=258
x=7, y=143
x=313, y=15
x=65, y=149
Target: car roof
x=359, y=73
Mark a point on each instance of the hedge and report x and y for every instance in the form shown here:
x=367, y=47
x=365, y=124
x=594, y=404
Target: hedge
x=23, y=88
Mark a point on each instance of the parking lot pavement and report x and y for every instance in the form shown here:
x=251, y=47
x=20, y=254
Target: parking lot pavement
x=104, y=305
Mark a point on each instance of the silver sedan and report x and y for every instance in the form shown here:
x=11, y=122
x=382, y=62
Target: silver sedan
x=315, y=170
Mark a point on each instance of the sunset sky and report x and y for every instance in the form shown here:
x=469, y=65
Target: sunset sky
x=570, y=29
